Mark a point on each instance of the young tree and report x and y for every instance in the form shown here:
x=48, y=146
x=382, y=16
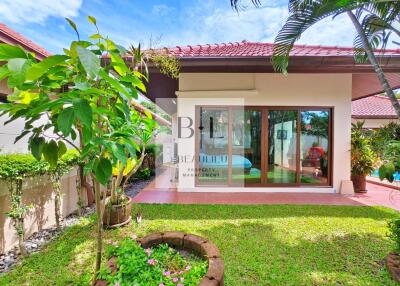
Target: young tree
x=85, y=92
x=374, y=21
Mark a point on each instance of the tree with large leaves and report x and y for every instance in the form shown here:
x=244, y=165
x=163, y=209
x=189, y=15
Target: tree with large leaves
x=374, y=20
x=86, y=94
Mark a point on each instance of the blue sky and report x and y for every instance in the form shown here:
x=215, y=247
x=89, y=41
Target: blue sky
x=168, y=23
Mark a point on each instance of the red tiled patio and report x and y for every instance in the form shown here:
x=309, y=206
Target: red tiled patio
x=377, y=196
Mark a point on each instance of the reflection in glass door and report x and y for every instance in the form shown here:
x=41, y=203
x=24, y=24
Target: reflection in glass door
x=246, y=146
x=314, y=147
x=282, y=142
x=213, y=146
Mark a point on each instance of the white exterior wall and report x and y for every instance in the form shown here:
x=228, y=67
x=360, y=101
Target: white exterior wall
x=321, y=90
x=375, y=123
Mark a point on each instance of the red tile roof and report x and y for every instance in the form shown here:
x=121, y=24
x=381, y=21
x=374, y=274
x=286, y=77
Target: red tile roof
x=376, y=106
x=9, y=36
x=255, y=49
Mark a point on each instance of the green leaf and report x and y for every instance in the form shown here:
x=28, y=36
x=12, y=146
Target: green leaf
x=65, y=120
x=103, y=171
x=4, y=72
x=96, y=37
x=36, y=146
x=86, y=134
x=17, y=68
x=82, y=85
x=73, y=25
x=119, y=152
x=119, y=87
x=62, y=149
x=119, y=64
x=50, y=152
x=137, y=82
x=90, y=62
x=73, y=134
x=10, y=52
x=92, y=20
x=83, y=111
x=38, y=69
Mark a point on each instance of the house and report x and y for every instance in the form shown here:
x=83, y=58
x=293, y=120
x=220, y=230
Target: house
x=10, y=131
x=375, y=111
x=241, y=127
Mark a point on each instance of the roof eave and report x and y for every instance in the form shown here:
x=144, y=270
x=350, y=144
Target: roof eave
x=374, y=117
x=297, y=64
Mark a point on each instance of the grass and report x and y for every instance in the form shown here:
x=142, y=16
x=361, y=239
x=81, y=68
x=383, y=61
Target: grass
x=261, y=245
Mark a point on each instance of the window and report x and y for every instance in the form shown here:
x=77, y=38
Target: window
x=264, y=146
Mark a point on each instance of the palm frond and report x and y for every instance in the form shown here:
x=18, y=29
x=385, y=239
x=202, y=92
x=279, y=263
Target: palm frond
x=238, y=4
x=303, y=15
x=378, y=20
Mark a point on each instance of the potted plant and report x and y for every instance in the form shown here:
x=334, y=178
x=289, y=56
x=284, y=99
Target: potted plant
x=362, y=158
x=119, y=206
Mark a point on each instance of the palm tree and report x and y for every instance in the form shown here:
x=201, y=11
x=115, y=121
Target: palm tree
x=374, y=21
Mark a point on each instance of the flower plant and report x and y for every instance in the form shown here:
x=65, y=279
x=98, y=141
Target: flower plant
x=159, y=266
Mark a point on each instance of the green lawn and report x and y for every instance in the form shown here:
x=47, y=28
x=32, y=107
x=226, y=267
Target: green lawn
x=261, y=245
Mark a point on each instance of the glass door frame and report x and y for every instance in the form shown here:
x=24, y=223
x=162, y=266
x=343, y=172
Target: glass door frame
x=264, y=144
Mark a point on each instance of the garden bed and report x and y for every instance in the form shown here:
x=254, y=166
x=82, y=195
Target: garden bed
x=169, y=258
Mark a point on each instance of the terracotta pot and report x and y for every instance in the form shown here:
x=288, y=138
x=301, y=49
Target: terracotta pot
x=359, y=183
x=117, y=215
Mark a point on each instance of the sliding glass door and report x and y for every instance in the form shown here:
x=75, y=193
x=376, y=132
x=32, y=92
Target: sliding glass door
x=282, y=146
x=264, y=146
x=213, y=157
x=314, y=147
x=246, y=146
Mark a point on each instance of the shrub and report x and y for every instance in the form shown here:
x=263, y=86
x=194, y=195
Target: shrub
x=143, y=174
x=18, y=166
x=363, y=158
x=391, y=164
x=380, y=137
x=394, y=232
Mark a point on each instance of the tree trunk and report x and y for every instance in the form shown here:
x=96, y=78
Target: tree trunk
x=79, y=189
x=372, y=59
x=57, y=199
x=21, y=236
x=57, y=204
x=19, y=222
x=99, y=214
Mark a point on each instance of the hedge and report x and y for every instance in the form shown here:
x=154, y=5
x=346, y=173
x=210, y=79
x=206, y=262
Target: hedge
x=18, y=166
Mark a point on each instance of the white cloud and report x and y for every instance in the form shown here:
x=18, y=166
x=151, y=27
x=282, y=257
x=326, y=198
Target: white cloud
x=262, y=24
x=162, y=10
x=37, y=11
x=338, y=31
